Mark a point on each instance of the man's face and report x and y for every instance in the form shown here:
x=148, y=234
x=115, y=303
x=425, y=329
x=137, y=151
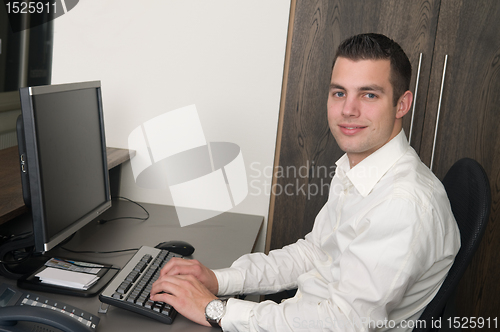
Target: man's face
x=361, y=113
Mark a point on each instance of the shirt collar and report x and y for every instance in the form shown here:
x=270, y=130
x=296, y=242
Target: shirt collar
x=365, y=175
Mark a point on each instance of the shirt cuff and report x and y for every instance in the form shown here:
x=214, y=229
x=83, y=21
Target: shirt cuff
x=230, y=281
x=237, y=315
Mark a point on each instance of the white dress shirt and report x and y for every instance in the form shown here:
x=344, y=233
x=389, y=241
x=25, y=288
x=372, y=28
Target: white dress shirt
x=379, y=250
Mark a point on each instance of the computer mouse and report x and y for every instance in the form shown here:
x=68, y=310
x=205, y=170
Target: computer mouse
x=177, y=247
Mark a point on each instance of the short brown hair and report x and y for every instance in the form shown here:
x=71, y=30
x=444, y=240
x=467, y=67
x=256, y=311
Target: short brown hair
x=372, y=46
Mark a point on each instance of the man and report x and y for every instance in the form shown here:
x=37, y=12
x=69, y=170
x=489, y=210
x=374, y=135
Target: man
x=380, y=247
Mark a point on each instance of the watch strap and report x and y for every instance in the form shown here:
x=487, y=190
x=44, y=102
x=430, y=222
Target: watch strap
x=214, y=324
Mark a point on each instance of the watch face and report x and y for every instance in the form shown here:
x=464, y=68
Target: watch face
x=215, y=310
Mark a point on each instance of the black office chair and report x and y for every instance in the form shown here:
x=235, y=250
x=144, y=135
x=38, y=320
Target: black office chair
x=468, y=189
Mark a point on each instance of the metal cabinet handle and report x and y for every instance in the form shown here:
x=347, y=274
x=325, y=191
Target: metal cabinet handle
x=415, y=97
x=439, y=111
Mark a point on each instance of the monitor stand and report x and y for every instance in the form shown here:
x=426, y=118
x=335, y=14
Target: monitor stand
x=25, y=270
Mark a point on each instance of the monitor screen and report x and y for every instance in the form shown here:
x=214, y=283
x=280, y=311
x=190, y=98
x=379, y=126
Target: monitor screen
x=63, y=159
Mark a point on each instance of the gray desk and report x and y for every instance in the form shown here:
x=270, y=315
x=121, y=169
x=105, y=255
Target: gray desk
x=218, y=242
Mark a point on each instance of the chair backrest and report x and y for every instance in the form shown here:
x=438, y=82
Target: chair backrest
x=468, y=190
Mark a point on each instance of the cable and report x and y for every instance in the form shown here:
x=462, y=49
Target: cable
x=14, y=237
x=103, y=221
x=29, y=255
x=100, y=252
x=18, y=254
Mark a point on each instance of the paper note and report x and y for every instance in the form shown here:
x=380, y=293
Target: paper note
x=67, y=278
x=76, y=266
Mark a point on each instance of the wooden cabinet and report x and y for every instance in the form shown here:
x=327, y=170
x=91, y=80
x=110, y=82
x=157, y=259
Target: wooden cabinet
x=468, y=33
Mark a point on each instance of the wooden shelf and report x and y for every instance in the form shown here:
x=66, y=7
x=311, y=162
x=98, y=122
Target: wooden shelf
x=11, y=195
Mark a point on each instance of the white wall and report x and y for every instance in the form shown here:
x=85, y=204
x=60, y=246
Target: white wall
x=154, y=56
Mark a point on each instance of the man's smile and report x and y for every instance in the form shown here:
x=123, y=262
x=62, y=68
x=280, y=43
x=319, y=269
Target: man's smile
x=351, y=129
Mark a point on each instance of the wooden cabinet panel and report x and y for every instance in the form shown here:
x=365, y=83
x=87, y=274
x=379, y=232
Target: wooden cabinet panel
x=468, y=32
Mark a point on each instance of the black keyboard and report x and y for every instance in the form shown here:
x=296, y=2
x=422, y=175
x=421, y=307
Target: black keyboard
x=131, y=286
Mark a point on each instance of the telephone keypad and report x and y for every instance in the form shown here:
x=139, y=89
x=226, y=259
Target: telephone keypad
x=23, y=298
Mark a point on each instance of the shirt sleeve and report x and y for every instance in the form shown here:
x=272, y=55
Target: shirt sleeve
x=393, y=244
x=258, y=273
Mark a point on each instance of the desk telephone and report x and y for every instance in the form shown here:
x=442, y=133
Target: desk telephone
x=25, y=311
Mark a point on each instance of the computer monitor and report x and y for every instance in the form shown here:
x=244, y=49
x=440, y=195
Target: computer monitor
x=63, y=161
x=64, y=175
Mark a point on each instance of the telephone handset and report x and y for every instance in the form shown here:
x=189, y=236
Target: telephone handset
x=18, y=310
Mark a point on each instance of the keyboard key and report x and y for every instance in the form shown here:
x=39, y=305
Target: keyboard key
x=166, y=311
x=132, y=276
x=149, y=304
x=157, y=306
x=141, y=300
x=124, y=287
x=118, y=296
x=140, y=266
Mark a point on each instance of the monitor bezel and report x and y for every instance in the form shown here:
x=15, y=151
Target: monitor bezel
x=42, y=241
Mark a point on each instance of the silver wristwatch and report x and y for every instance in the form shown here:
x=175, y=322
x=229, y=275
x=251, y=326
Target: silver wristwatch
x=214, y=311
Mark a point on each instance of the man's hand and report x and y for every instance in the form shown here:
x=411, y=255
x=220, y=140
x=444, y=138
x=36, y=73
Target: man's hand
x=185, y=293
x=179, y=266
